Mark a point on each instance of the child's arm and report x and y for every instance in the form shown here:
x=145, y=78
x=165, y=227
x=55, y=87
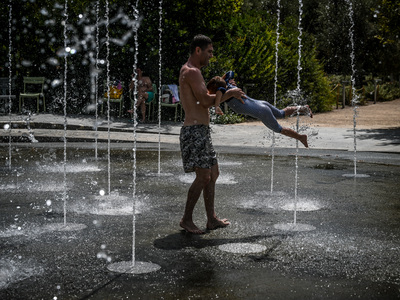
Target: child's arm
x=218, y=97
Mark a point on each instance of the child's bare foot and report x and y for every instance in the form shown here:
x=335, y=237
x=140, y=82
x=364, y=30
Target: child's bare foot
x=303, y=140
x=307, y=110
x=190, y=227
x=293, y=110
x=217, y=223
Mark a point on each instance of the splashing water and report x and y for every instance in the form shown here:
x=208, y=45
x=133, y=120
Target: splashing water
x=96, y=79
x=354, y=100
x=278, y=13
x=65, y=112
x=108, y=96
x=13, y=271
x=30, y=135
x=298, y=91
x=136, y=13
x=9, y=80
x=242, y=248
x=133, y=266
x=159, y=87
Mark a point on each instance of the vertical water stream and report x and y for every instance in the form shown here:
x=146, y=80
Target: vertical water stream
x=278, y=13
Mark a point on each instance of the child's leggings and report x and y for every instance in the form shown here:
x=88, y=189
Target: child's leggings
x=258, y=109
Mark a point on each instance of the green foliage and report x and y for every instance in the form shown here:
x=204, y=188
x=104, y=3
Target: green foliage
x=386, y=92
x=249, y=50
x=388, y=15
x=229, y=118
x=244, y=38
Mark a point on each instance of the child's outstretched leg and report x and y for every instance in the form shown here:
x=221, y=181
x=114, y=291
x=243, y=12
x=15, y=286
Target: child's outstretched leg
x=303, y=109
x=293, y=134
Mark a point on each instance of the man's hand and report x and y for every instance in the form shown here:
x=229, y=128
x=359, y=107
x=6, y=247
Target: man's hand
x=236, y=93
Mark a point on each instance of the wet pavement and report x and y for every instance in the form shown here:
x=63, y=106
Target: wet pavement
x=344, y=245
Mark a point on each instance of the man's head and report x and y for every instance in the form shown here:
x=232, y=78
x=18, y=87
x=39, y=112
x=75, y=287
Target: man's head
x=201, y=41
x=202, y=47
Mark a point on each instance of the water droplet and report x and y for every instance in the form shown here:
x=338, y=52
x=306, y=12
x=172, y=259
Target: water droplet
x=48, y=202
x=102, y=192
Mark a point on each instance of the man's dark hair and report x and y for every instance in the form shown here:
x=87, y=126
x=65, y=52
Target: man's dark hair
x=201, y=41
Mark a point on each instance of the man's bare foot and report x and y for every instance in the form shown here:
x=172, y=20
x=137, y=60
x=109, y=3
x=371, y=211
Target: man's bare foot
x=217, y=223
x=303, y=140
x=190, y=227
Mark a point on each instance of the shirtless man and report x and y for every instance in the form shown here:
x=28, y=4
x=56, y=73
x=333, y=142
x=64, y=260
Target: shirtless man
x=198, y=154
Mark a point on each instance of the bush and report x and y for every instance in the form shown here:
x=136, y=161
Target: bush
x=386, y=91
x=229, y=118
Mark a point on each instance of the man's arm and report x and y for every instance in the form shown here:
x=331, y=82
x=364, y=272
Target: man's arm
x=196, y=81
x=234, y=93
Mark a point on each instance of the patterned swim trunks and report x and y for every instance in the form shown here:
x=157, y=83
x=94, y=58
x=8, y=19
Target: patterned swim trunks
x=196, y=148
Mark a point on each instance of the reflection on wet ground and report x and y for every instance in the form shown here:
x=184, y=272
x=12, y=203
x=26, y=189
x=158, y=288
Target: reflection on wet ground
x=346, y=244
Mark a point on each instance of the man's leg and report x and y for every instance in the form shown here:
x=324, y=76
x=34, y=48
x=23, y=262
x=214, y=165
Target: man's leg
x=202, y=179
x=209, y=195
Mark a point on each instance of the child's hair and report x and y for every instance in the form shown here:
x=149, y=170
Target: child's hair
x=215, y=83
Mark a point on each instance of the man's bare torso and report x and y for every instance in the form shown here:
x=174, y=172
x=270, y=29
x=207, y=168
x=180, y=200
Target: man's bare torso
x=192, y=86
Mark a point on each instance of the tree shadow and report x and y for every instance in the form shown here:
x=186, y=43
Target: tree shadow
x=390, y=136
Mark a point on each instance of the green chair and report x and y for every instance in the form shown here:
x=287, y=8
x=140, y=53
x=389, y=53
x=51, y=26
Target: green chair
x=166, y=96
x=114, y=98
x=5, y=93
x=33, y=88
x=152, y=103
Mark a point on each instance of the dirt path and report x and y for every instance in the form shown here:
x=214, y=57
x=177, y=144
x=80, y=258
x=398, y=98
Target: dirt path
x=373, y=116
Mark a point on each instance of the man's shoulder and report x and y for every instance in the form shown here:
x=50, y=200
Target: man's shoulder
x=190, y=73
x=189, y=69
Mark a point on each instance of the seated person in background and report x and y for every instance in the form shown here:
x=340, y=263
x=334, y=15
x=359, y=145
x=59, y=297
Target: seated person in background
x=266, y=112
x=217, y=86
x=145, y=92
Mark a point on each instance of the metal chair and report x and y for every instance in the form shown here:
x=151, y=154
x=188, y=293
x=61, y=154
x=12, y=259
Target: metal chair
x=33, y=88
x=5, y=93
x=152, y=102
x=167, y=95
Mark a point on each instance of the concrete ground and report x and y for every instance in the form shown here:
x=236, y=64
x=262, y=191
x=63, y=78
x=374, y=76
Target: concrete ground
x=332, y=237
